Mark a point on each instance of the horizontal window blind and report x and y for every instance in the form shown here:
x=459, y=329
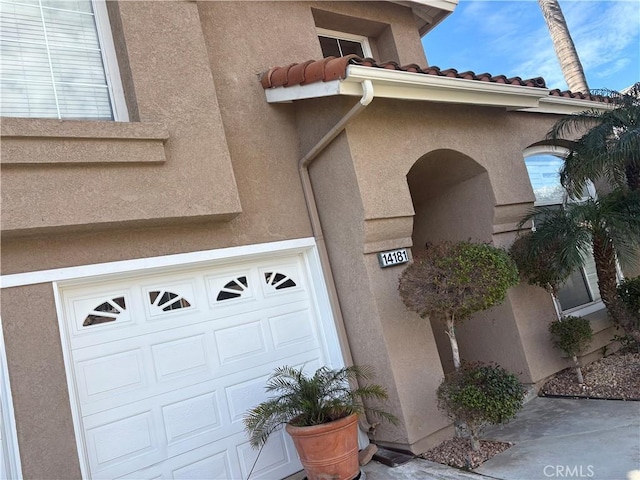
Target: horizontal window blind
x=51, y=64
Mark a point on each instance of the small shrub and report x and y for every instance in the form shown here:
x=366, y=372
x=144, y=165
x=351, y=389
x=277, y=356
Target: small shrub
x=629, y=293
x=572, y=335
x=537, y=265
x=480, y=394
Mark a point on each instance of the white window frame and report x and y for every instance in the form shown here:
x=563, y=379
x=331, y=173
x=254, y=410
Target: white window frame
x=110, y=61
x=562, y=152
x=362, y=40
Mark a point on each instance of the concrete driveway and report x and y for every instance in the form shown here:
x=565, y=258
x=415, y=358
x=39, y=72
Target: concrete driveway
x=555, y=438
x=568, y=438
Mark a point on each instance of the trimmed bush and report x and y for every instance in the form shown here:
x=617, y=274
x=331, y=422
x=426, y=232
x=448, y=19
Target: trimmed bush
x=449, y=282
x=480, y=394
x=572, y=335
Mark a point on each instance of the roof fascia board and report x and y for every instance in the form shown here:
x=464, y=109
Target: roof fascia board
x=567, y=106
x=412, y=86
x=302, y=92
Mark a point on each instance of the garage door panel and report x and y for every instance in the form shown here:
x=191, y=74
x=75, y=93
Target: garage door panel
x=277, y=453
x=109, y=310
x=177, y=358
x=237, y=343
x=111, y=375
x=119, y=445
x=292, y=328
x=223, y=462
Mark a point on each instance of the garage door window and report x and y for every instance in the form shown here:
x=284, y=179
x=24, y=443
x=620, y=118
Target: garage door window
x=105, y=312
x=234, y=289
x=164, y=301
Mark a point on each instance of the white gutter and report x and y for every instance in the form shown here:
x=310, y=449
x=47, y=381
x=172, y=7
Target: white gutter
x=567, y=106
x=401, y=85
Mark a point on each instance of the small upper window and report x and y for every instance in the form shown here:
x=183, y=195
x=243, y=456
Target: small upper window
x=338, y=44
x=58, y=61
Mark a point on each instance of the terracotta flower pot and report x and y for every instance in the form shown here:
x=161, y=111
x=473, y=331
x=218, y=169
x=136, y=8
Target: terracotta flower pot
x=330, y=450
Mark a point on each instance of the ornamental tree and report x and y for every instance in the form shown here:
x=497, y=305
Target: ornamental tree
x=449, y=282
x=537, y=266
x=572, y=335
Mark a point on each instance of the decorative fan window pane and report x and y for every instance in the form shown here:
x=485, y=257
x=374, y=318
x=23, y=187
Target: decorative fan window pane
x=234, y=289
x=105, y=312
x=166, y=301
x=278, y=280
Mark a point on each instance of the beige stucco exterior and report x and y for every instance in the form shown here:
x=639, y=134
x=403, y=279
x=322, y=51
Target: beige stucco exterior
x=207, y=163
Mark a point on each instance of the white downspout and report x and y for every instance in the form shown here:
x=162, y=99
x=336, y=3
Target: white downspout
x=312, y=208
x=316, y=226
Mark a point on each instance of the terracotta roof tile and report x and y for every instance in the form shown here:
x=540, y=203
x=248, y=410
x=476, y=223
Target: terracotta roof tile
x=332, y=68
x=583, y=96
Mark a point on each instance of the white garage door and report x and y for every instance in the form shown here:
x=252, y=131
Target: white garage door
x=164, y=366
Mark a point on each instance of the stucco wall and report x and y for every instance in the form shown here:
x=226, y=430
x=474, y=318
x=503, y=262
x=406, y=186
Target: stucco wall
x=385, y=142
x=38, y=383
x=381, y=332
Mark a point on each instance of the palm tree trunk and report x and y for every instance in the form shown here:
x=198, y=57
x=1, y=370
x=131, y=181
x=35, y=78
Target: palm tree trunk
x=605, y=260
x=564, y=46
x=633, y=176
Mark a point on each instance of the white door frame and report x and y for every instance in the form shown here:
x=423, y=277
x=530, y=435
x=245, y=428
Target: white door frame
x=64, y=277
x=10, y=466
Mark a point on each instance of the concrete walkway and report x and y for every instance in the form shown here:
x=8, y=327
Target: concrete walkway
x=554, y=438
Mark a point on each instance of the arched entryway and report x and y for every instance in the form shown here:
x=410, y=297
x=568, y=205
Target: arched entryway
x=453, y=200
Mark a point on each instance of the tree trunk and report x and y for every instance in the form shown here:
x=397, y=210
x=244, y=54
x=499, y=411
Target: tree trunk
x=605, y=260
x=451, y=333
x=578, y=370
x=564, y=46
x=633, y=176
x=475, y=439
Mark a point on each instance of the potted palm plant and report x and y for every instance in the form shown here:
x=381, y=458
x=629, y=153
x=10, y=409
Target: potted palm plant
x=320, y=413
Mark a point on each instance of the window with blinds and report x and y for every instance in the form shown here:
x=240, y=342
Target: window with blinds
x=52, y=63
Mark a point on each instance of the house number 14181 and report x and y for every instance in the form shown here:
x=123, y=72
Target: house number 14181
x=393, y=257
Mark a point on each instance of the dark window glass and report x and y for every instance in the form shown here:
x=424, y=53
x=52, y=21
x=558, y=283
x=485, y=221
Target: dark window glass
x=333, y=47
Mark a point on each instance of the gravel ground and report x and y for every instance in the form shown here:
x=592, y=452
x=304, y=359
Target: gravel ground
x=457, y=453
x=614, y=377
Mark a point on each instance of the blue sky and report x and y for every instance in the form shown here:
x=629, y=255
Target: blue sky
x=511, y=38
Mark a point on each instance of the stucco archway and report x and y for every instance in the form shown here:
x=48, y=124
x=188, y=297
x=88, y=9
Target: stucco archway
x=453, y=200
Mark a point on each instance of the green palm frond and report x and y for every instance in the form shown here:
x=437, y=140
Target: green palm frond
x=569, y=232
x=302, y=400
x=608, y=143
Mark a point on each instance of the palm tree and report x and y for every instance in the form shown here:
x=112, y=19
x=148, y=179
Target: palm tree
x=564, y=46
x=609, y=227
x=610, y=147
